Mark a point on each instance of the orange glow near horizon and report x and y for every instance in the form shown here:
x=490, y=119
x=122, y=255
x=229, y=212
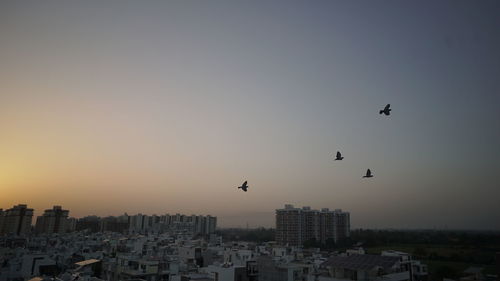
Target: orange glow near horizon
x=169, y=107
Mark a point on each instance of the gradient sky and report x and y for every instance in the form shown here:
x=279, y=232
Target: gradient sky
x=153, y=106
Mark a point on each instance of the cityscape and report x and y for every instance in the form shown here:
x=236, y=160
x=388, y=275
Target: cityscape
x=18, y=221
x=223, y=140
x=308, y=245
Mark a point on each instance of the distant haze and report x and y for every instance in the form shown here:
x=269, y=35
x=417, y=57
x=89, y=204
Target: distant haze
x=109, y=107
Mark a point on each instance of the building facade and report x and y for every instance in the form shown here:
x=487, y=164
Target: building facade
x=53, y=220
x=197, y=224
x=294, y=226
x=2, y=213
x=16, y=220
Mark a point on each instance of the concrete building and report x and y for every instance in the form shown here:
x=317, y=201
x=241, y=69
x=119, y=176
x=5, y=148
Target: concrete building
x=137, y=223
x=192, y=277
x=71, y=224
x=37, y=264
x=16, y=220
x=228, y=272
x=89, y=223
x=289, y=226
x=2, y=213
x=310, y=220
x=53, y=220
x=115, y=224
x=203, y=225
x=88, y=268
x=336, y=225
x=130, y=267
x=270, y=270
x=190, y=255
x=365, y=268
x=238, y=257
x=294, y=226
x=212, y=224
x=417, y=270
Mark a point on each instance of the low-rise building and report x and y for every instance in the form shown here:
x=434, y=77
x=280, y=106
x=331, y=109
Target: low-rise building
x=366, y=268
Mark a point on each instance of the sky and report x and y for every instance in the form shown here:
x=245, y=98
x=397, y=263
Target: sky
x=161, y=107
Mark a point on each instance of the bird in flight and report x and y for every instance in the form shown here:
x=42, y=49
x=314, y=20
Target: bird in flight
x=368, y=174
x=339, y=156
x=386, y=110
x=244, y=186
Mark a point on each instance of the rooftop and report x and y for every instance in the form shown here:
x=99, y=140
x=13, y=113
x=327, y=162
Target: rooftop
x=86, y=262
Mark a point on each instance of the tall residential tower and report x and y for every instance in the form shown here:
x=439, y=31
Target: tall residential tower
x=16, y=220
x=53, y=220
x=294, y=226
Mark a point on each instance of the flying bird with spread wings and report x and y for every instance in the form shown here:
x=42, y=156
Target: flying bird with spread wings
x=368, y=174
x=339, y=156
x=244, y=186
x=386, y=110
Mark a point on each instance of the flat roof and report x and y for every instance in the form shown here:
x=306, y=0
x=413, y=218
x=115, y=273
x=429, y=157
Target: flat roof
x=86, y=262
x=473, y=270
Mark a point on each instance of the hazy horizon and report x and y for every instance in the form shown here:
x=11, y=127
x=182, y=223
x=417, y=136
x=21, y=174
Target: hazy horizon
x=267, y=220
x=167, y=107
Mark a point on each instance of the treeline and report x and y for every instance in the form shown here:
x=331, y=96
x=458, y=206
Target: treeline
x=376, y=238
x=471, y=247
x=379, y=238
x=259, y=235
x=329, y=244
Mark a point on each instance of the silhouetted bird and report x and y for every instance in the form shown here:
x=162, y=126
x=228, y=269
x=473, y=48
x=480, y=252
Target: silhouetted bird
x=386, y=110
x=339, y=156
x=244, y=186
x=368, y=174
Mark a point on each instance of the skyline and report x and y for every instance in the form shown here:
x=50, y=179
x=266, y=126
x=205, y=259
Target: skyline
x=124, y=107
x=239, y=223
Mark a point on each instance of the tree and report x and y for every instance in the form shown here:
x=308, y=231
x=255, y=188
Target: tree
x=420, y=252
x=445, y=271
x=330, y=243
x=311, y=243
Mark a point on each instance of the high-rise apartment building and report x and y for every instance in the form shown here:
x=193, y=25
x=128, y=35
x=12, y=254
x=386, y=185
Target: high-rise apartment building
x=310, y=224
x=53, y=220
x=289, y=226
x=197, y=224
x=294, y=226
x=16, y=220
x=115, y=224
x=212, y=224
x=71, y=223
x=138, y=223
x=334, y=225
x=88, y=223
x=2, y=213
